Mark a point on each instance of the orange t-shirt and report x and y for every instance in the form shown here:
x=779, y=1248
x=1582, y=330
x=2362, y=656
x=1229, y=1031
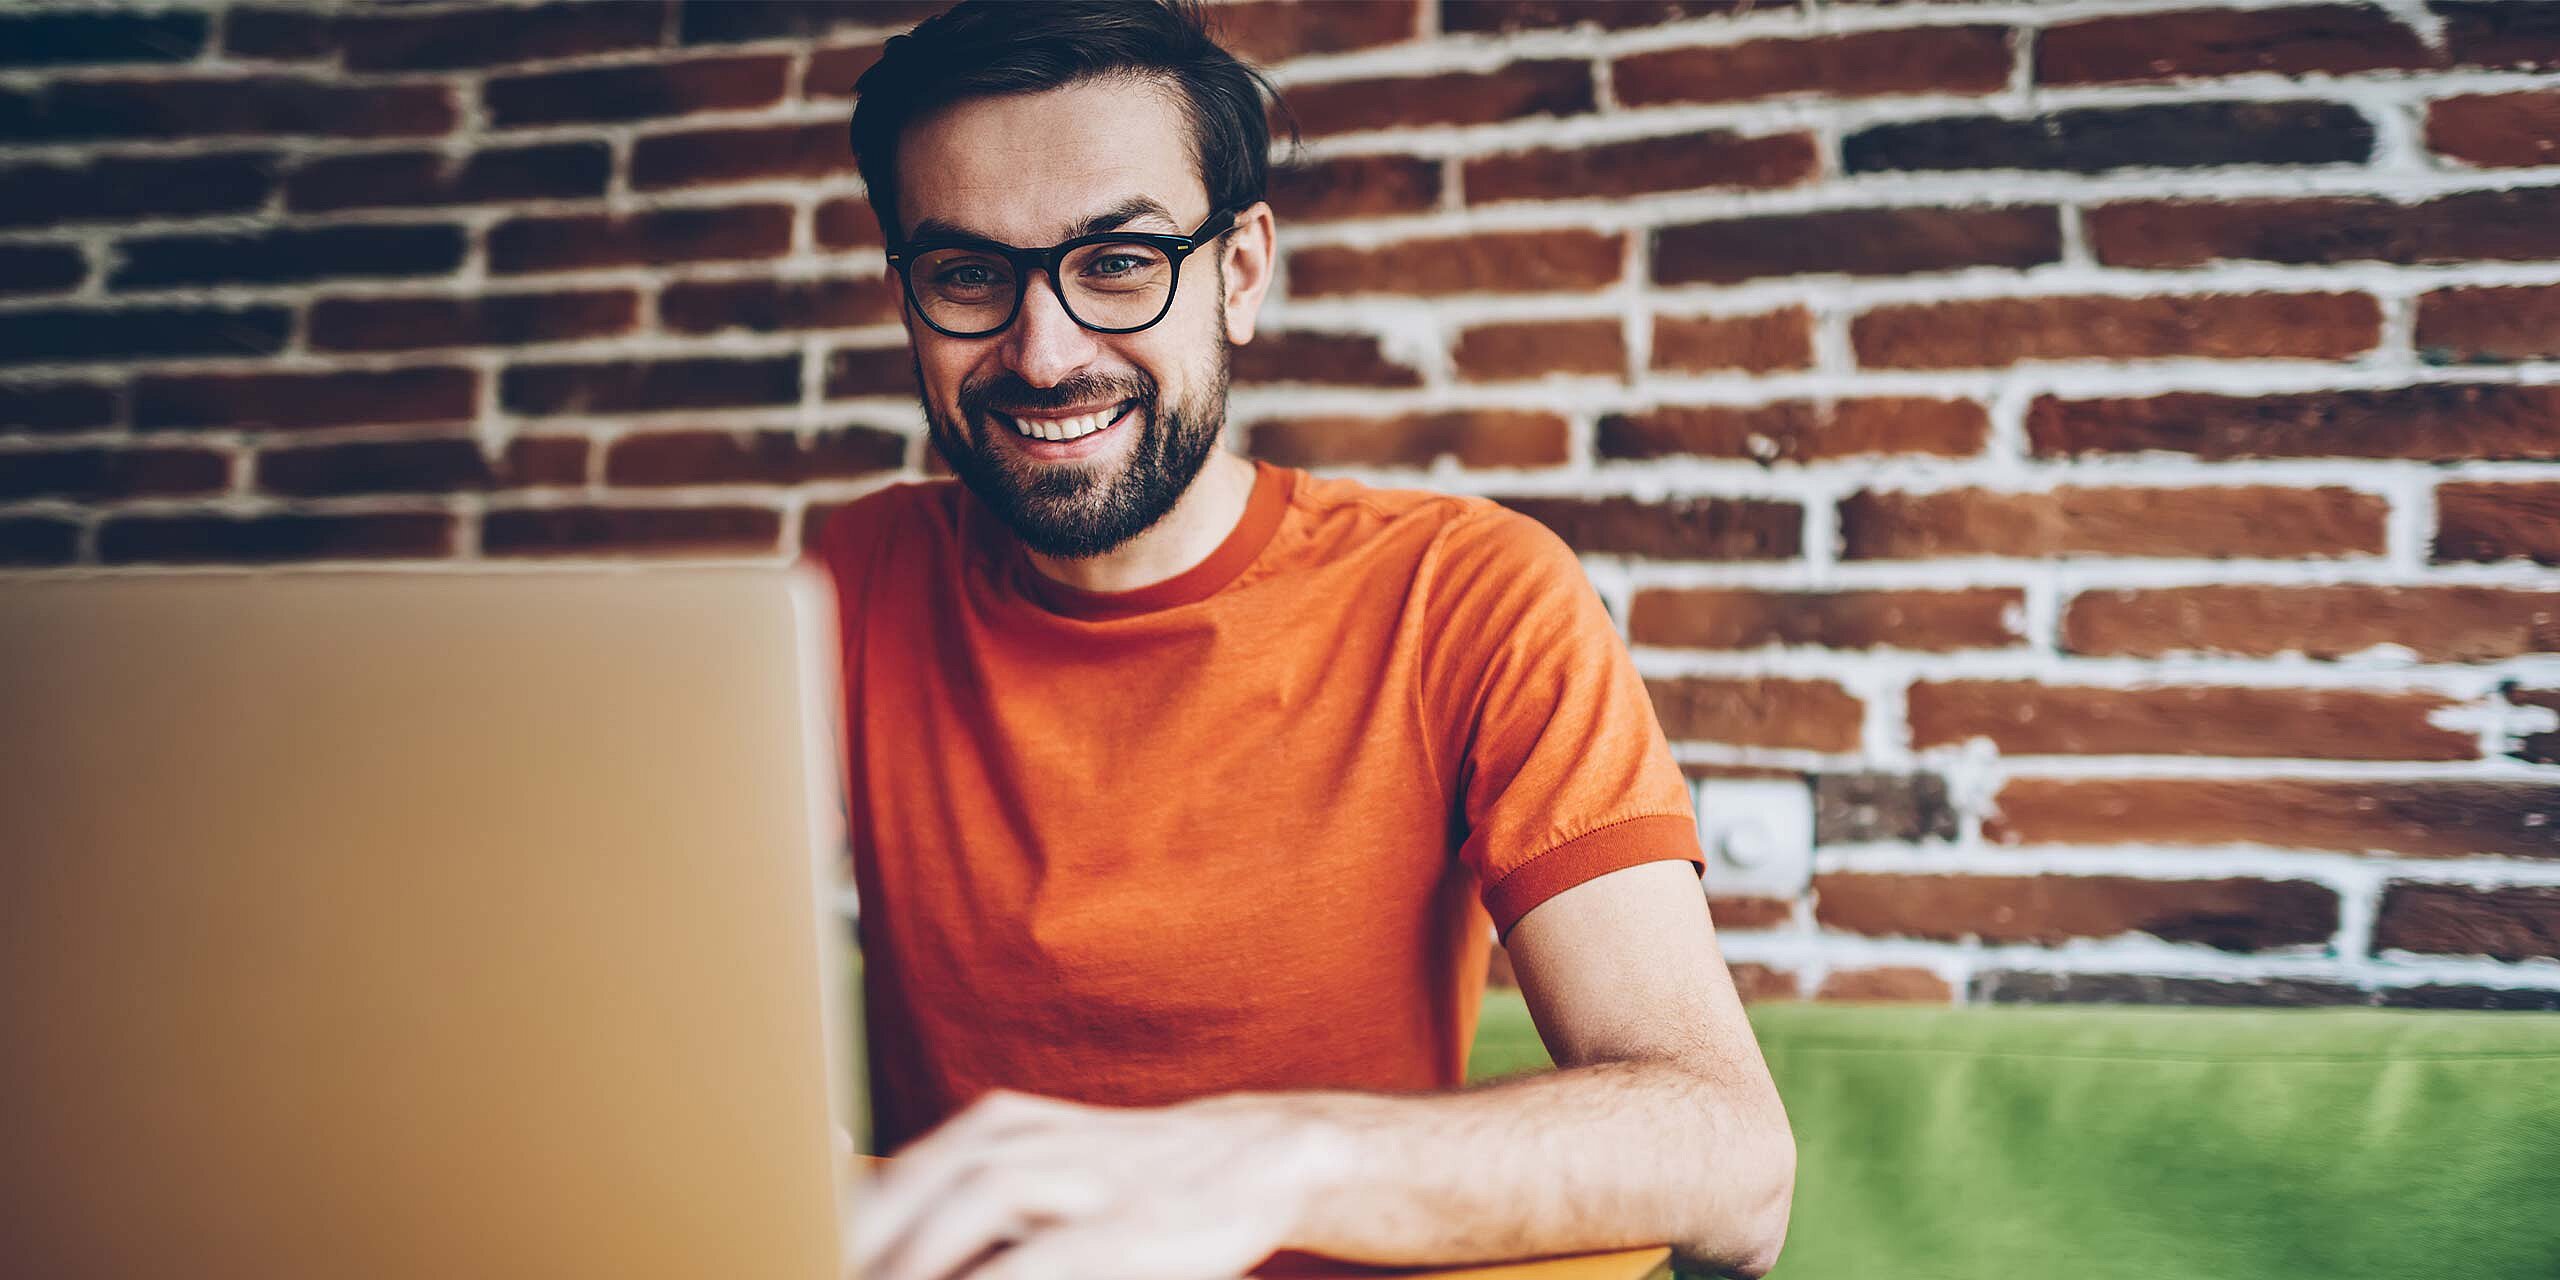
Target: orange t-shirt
x=1232, y=830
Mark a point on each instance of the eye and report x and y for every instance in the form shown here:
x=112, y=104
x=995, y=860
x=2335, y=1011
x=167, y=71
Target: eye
x=1114, y=264
x=965, y=275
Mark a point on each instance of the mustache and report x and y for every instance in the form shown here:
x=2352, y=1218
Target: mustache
x=1008, y=392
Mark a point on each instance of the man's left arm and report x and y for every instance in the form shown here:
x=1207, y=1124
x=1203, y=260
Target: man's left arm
x=1661, y=1127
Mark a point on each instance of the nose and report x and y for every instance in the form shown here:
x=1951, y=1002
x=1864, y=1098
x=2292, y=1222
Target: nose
x=1044, y=344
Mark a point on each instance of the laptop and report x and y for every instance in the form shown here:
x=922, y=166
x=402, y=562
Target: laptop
x=406, y=924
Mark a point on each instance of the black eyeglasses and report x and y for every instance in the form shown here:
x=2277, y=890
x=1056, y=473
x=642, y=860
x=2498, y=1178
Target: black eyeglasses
x=1109, y=282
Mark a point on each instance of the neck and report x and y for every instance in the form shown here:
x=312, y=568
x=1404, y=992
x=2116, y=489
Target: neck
x=1201, y=519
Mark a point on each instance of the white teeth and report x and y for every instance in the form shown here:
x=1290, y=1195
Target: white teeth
x=1065, y=428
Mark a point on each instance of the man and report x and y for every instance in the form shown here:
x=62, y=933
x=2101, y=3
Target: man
x=1176, y=779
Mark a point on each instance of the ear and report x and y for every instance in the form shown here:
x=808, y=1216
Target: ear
x=1247, y=258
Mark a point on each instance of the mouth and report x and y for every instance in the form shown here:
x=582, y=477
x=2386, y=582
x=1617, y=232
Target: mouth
x=1063, y=429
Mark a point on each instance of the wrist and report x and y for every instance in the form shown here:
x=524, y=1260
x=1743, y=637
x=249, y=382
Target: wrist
x=1302, y=1152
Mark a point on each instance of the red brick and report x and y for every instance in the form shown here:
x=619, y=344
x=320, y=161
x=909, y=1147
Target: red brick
x=2479, y=226
x=1608, y=15
x=1672, y=529
x=2543, y=747
x=1864, y=808
x=2429, y=818
x=1640, y=166
x=343, y=398
x=655, y=238
x=1277, y=357
x=708, y=157
x=48, y=334
x=2216, y=523
x=2185, y=135
x=847, y=223
x=1698, y=771
x=56, y=406
x=1935, y=60
x=2024, y=717
x=778, y=306
x=2463, y=326
x=477, y=320
x=1355, y=187
x=1799, y=430
x=206, y=539
x=2490, y=521
x=2433, y=422
x=642, y=92
x=1758, y=982
x=168, y=106
x=752, y=457
x=2481, y=999
x=2500, y=33
x=2332, y=39
x=2496, y=130
x=289, y=255
x=420, y=466
x=1749, y=618
x=870, y=371
x=1750, y=913
x=1993, y=332
x=1753, y=344
x=1857, y=242
x=1557, y=87
x=1537, y=348
x=60, y=38
x=2518, y=922
x=537, y=531
x=2012, y=986
x=37, y=541
x=117, y=188
x=1270, y=30
x=41, y=268
x=2228, y=915
x=646, y=386
x=1473, y=437
x=259, y=34
x=1912, y=986
x=728, y=21
x=2436, y=624
x=1758, y=711
x=567, y=170
x=90, y=475
x=1490, y=262
x=481, y=37
x=833, y=72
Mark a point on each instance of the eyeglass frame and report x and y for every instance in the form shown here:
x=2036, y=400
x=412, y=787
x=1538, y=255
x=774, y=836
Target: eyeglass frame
x=1176, y=248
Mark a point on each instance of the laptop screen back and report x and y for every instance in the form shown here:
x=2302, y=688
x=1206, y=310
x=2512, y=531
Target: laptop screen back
x=418, y=925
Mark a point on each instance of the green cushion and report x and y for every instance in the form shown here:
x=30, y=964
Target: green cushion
x=2217, y=1144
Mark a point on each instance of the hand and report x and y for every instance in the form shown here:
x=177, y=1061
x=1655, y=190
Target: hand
x=1018, y=1187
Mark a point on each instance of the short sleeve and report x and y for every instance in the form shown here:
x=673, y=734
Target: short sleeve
x=1562, y=772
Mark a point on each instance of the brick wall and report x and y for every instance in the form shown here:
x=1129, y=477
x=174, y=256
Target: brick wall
x=2109, y=451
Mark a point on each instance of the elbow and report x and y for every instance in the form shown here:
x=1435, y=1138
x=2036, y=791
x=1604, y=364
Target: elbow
x=1747, y=1246
x=1766, y=1233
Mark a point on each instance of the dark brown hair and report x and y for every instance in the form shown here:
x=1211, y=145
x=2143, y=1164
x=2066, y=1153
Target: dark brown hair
x=986, y=48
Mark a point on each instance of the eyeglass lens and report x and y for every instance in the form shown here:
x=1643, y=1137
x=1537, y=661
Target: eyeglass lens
x=1111, y=285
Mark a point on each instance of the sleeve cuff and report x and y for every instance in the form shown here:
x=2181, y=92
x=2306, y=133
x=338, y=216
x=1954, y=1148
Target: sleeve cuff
x=1658, y=838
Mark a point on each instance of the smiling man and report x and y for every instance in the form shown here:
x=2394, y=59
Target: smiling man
x=1184, y=790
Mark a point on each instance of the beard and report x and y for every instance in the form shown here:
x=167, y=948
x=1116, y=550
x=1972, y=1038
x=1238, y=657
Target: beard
x=1079, y=510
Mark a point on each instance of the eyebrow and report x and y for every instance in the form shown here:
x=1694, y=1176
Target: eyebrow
x=1111, y=219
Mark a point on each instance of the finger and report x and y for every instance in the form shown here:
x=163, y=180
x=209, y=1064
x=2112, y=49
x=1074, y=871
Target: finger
x=983, y=1213
x=926, y=1171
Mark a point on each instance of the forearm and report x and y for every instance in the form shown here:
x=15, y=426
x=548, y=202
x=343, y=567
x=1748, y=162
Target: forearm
x=1610, y=1156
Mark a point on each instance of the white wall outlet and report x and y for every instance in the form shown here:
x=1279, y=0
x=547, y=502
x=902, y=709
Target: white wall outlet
x=1758, y=835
